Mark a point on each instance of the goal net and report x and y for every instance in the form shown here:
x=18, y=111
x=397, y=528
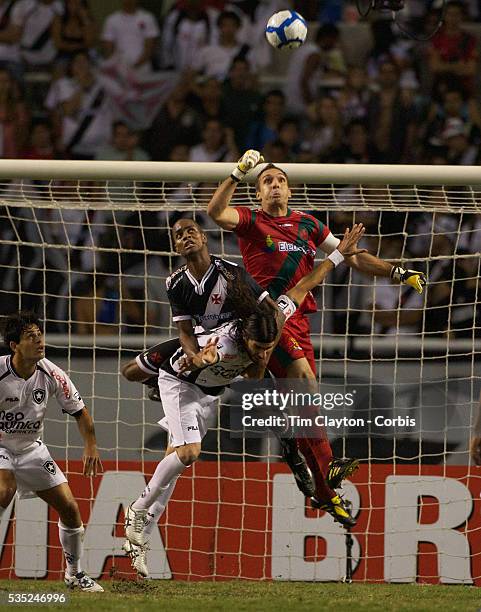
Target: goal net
x=87, y=245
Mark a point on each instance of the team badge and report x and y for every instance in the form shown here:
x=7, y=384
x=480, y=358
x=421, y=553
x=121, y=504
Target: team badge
x=294, y=344
x=38, y=395
x=304, y=234
x=270, y=245
x=215, y=298
x=50, y=467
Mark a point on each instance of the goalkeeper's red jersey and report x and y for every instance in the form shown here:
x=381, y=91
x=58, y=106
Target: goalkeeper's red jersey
x=279, y=251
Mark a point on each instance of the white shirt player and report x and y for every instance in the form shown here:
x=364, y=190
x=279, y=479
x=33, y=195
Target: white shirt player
x=232, y=360
x=23, y=403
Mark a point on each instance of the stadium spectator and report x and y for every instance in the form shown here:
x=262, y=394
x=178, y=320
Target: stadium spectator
x=40, y=144
x=266, y=128
x=453, y=50
x=129, y=36
x=188, y=27
x=11, y=22
x=453, y=106
x=324, y=132
x=36, y=42
x=80, y=110
x=391, y=122
x=14, y=117
x=124, y=145
x=217, y=144
x=353, y=98
x=290, y=137
x=357, y=148
x=73, y=31
x=206, y=100
x=215, y=60
x=311, y=65
x=241, y=99
x=177, y=123
x=459, y=151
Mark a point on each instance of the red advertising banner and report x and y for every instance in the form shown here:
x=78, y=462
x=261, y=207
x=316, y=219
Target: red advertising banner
x=247, y=520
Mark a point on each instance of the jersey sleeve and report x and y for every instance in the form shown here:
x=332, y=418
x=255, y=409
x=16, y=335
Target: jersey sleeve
x=324, y=239
x=256, y=289
x=64, y=390
x=177, y=304
x=247, y=218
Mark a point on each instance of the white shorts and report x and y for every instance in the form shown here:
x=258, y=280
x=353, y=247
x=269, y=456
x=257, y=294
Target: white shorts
x=34, y=470
x=188, y=411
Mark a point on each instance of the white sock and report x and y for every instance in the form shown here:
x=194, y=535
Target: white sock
x=157, y=508
x=170, y=468
x=71, y=539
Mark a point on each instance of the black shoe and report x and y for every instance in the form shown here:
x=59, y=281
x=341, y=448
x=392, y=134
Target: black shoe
x=339, y=470
x=338, y=509
x=295, y=460
x=154, y=394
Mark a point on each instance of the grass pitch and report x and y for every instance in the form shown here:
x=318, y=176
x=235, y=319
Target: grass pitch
x=254, y=596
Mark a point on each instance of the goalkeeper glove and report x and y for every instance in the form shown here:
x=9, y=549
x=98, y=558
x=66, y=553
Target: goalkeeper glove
x=416, y=280
x=249, y=160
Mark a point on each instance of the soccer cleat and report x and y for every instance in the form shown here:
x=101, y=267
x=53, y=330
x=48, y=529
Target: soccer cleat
x=339, y=470
x=154, y=394
x=138, y=557
x=83, y=582
x=135, y=522
x=339, y=510
x=295, y=460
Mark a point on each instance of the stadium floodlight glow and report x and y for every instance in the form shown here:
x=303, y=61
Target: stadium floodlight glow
x=365, y=7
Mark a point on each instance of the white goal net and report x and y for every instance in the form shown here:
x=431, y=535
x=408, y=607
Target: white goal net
x=87, y=246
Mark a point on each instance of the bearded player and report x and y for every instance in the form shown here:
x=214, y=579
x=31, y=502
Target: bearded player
x=278, y=246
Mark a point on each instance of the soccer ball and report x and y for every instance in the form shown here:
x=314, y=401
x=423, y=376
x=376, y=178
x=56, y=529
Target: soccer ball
x=286, y=30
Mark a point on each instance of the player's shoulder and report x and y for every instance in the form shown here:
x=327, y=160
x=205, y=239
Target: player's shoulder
x=48, y=367
x=175, y=278
x=4, y=369
x=229, y=269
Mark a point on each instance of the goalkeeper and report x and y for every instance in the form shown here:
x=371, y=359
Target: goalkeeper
x=278, y=246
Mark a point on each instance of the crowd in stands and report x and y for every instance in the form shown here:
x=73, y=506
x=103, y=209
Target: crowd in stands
x=202, y=84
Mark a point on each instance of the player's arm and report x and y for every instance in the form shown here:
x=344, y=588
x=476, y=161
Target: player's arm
x=347, y=248
x=91, y=459
x=371, y=265
x=218, y=207
x=475, y=446
x=187, y=338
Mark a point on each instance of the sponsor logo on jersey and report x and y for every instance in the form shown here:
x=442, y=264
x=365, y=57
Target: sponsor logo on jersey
x=270, y=246
x=290, y=247
x=286, y=225
x=50, y=467
x=172, y=277
x=12, y=399
x=14, y=422
x=294, y=344
x=38, y=395
x=63, y=383
x=216, y=298
x=192, y=428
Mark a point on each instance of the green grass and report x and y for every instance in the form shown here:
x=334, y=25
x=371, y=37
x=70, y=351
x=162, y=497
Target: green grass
x=256, y=596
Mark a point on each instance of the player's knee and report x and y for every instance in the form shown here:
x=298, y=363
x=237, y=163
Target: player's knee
x=189, y=453
x=129, y=371
x=70, y=514
x=6, y=495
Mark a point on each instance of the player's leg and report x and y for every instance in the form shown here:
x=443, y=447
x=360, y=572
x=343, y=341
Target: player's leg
x=206, y=418
x=36, y=471
x=8, y=483
x=71, y=533
x=180, y=401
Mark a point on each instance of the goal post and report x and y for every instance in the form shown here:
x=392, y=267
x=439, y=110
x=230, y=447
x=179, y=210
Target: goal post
x=87, y=245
